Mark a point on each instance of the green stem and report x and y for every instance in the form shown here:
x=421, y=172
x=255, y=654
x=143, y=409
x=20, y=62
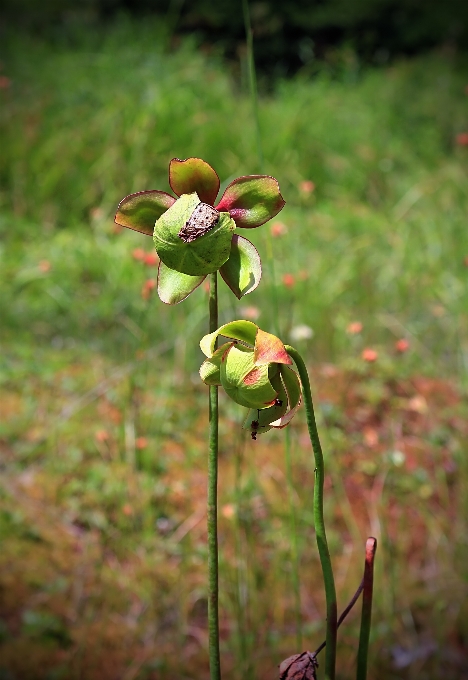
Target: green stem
x=329, y=581
x=296, y=584
x=212, y=519
x=371, y=547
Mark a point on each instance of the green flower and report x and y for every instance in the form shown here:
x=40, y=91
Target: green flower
x=193, y=237
x=254, y=371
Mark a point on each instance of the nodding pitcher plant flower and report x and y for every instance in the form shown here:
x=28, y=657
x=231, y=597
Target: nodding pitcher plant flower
x=192, y=237
x=254, y=370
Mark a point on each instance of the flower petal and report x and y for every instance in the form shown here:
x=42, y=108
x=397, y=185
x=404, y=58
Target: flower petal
x=293, y=388
x=245, y=331
x=243, y=270
x=210, y=368
x=140, y=211
x=173, y=287
x=252, y=200
x=202, y=255
x=194, y=175
x=269, y=349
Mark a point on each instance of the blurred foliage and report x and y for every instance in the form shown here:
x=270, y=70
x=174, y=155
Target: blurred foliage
x=288, y=35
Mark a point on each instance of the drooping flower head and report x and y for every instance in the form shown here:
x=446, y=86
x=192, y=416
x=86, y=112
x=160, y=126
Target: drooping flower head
x=254, y=370
x=193, y=237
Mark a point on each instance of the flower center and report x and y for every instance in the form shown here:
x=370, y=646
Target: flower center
x=201, y=221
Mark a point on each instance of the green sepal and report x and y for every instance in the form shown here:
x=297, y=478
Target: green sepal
x=243, y=270
x=242, y=330
x=247, y=384
x=293, y=389
x=173, y=287
x=140, y=211
x=210, y=368
x=202, y=256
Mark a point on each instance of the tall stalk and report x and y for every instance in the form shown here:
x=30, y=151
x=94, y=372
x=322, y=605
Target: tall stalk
x=212, y=515
x=296, y=584
x=320, y=534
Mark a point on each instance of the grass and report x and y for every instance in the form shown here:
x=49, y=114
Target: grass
x=104, y=425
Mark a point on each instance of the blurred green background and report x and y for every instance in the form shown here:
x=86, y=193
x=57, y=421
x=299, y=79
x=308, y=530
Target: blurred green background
x=364, y=121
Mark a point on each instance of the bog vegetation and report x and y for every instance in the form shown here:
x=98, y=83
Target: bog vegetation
x=102, y=438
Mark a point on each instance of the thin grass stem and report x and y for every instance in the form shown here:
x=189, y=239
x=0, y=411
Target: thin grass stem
x=252, y=80
x=321, y=537
x=212, y=515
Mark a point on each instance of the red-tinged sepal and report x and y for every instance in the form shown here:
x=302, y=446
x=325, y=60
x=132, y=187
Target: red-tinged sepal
x=140, y=211
x=194, y=175
x=252, y=200
x=174, y=287
x=243, y=270
x=269, y=349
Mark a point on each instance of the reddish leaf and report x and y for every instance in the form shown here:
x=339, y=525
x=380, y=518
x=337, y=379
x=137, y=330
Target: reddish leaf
x=194, y=175
x=252, y=200
x=140, y=211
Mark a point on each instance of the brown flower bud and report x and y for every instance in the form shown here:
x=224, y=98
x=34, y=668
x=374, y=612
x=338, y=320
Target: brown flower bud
x=299, y=667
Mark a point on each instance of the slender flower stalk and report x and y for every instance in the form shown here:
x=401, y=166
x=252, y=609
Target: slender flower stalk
x=212, y=519
x=329, y=581
x=296, y=583
x=371, y=547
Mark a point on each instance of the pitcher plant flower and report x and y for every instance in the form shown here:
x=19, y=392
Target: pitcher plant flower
x=254, y=370
x=193, y=237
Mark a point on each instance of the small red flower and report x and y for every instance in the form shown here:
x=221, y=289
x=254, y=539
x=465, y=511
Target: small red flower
x=151, y=259
x=369, y=355
x=462, y=139
x=306, y=187
x=44, y=266
x=4, y=82
x=102, y=436
x=354, y=328
x=278, y=229
x=139, y=254
x=288, y=280
x=402, y=345
x=141, y=443
x=147, y=289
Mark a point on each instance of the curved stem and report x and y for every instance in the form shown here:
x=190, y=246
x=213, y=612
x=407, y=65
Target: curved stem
x=329, y=581
x=212, y=516
x=371, y=547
